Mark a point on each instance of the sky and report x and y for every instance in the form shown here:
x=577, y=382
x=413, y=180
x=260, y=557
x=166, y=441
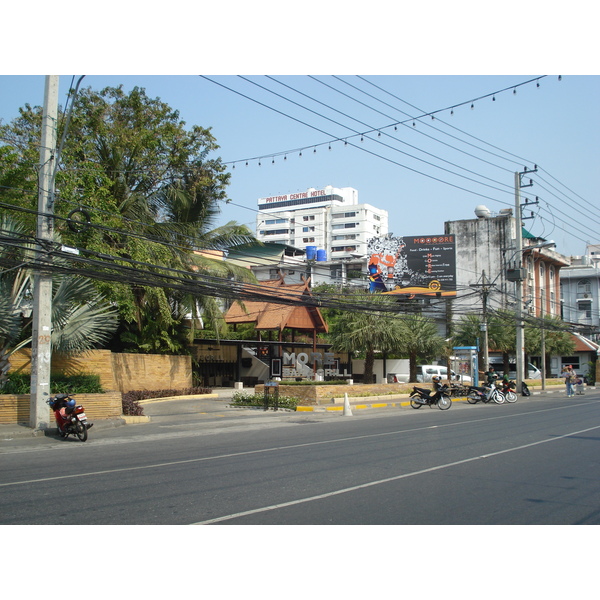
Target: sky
x=365, y=132
x=306, y=131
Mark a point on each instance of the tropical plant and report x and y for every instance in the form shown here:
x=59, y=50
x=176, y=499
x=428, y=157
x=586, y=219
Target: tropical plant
x=149, y=193
x=81, y=317
x=557, y=340
x=373, y=328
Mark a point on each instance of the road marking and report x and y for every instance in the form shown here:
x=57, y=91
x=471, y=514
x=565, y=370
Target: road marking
x=386, y=480
x=263, y=450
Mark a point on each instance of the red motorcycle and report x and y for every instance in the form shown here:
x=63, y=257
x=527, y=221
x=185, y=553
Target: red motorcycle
x=70, y=416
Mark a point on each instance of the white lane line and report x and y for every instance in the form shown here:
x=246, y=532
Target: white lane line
x=382, y=481
x=266, y=450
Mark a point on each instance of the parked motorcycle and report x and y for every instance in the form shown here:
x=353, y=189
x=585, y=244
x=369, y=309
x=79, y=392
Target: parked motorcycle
x=477, y=394
x=423, y=396
x=507, y=390
x=483, y=394
x=70, y=416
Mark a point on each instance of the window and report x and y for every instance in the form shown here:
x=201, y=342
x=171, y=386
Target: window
x=343, y=249
x=308, y=240
x=275, y=221
x=307, y=229
x=308, y=218
x=344, y=226
x=343, y=215
x=275, y=232
x=584, y=288
x=585, y=306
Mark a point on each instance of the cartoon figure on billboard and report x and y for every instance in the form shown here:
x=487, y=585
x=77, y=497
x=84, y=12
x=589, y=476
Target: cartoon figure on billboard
x=412, y=267
x=385, y=253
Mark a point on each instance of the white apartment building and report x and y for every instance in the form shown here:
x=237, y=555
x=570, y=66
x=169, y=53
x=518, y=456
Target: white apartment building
x=328, y=222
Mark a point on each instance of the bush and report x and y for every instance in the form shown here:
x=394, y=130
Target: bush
x=311, y=382
x=258, y=400
x=131, y=399
x=20, y=383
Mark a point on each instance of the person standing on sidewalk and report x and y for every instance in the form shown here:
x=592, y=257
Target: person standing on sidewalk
x=570, y=378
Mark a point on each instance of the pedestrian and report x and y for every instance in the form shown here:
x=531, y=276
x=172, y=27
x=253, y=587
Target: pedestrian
x=570, y=378
x=491, y=378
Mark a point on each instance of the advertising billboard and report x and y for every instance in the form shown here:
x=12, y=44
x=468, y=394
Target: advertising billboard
x=421, y=265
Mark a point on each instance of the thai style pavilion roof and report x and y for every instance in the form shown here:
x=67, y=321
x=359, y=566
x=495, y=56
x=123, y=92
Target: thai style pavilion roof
x=275, y=316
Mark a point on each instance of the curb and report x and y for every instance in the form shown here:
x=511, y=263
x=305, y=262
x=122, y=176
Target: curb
x=402, y=404
x=170, y=398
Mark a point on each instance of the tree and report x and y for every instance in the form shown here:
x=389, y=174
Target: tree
x=557, y=340
x=370, y=330
x=151, y=192
x=421, y=341
x=81, y=318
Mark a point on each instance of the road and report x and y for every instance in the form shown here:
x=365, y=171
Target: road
x=533, y=462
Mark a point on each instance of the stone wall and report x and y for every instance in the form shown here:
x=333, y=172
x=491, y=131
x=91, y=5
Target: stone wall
x=14, y=408
x=310, y=395
x=121, y=372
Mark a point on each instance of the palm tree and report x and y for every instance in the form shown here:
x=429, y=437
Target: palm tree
x=81, y=318
x=557, y=341
x=369, y=330
x=421, y=341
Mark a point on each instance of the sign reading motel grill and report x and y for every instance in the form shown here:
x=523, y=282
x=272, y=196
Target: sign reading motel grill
x=413, y=265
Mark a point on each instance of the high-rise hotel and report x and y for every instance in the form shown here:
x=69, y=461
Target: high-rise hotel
x=328, y=222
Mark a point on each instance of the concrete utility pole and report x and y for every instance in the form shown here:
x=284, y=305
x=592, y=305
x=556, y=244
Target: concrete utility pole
x=520, y=346
x=485, y=292
x=41, y=350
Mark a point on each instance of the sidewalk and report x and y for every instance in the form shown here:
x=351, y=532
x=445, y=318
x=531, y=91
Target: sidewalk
x=221, y=395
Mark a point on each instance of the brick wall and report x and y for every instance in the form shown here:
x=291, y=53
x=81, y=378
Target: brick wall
x=14, y=408
x=121, y=372
x=309, y=395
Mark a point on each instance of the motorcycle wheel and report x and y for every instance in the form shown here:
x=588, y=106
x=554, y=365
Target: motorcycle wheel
x=472, y=399
x=510, y=396
x=444, y=403
x=415, y=404
x=81, y=431
x=498, y=397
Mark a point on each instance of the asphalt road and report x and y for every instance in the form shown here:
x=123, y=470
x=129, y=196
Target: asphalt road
x=533, y=462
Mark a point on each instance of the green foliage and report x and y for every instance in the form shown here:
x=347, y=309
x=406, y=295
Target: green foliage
x=131, y=400
x=311, y=382
x=152, y=190
x=19, y=383
x=258, y=400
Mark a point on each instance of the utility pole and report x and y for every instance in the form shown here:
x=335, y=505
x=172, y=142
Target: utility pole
x=520, y=349
x=41, y=349
x=543, y=340
x=520, y=345
x=485, y=291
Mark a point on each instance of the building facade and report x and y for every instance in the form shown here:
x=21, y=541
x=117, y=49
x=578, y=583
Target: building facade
x=580, y=292
x=487, y=260
x=328, y=222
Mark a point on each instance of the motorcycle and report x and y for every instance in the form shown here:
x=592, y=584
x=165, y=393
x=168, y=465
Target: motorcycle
x=70, y=416
x=423, y=396
x=507, y=390
x=477, y=394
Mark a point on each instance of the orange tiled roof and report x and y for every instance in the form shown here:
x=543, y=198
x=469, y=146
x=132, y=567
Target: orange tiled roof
x=274, y=316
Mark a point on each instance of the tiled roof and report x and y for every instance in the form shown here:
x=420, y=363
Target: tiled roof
x=275, y=316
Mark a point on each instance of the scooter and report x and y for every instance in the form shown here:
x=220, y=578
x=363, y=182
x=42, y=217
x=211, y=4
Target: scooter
x=70, y=416
x=477, y=394
x=423, y=396
x=507, y=390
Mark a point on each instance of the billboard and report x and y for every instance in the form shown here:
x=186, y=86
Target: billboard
x=422, y=265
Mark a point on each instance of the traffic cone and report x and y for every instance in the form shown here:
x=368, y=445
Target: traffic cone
x=347, y=409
